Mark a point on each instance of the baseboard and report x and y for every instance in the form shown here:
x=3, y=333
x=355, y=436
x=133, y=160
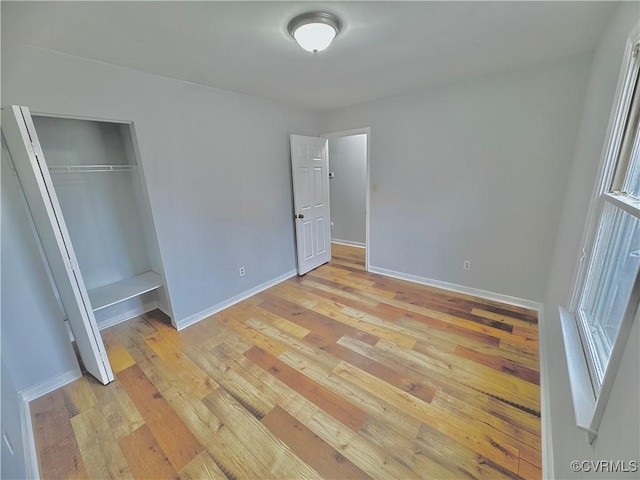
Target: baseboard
x=123, y=317
x=476, y=292
x=232, y=301
x=29, y=394
x=28, y=441
x=348, y=243
x=164, y=309
x=128, y=315
x=545, y=401
x=50, y=385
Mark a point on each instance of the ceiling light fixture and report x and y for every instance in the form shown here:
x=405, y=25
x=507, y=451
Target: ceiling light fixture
x=314, y=31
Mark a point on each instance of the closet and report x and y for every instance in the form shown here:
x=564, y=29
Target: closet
x=85, y=190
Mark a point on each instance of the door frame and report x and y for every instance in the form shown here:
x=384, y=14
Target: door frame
x=348, y=133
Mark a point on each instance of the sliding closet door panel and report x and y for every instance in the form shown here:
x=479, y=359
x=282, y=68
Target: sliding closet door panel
x=36, y=183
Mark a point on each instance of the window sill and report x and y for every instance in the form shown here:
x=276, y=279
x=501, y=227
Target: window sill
x=584, y=400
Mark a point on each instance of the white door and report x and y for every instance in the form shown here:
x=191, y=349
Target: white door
x=310, y=172
x=33, y=173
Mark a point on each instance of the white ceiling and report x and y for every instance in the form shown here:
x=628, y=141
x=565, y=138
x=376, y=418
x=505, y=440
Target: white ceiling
x=385, y=48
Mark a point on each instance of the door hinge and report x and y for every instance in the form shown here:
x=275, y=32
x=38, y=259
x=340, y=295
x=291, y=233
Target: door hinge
x=636, y=49
x=103, y=356
x=71, y=264
x=34, y=149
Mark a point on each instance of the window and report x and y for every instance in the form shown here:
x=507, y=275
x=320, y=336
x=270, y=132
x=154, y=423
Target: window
x=607, y=291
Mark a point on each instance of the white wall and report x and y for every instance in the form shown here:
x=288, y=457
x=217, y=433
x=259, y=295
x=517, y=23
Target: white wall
x=618, y=438
x=472, y=170
x=216, y=163
x=348, y=162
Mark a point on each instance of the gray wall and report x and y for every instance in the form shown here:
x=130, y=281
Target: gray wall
x=12, y=464
x=348, y=161
x=216, y=164
x=31, y=323
x=219, y=178
x=472, y=170
x=618, y=438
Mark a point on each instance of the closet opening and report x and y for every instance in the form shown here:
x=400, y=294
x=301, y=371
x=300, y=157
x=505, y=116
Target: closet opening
x=84, y=187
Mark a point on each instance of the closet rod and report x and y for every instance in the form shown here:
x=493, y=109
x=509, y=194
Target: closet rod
x=91, y=168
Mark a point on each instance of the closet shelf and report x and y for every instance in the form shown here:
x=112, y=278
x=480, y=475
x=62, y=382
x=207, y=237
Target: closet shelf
x=91, y=168
x=108, y=295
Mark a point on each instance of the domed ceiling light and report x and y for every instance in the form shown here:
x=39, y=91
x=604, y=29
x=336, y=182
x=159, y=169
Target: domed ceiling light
x=314, y=31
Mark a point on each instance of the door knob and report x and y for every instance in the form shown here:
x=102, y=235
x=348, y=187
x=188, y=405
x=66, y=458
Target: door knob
x=300, y=215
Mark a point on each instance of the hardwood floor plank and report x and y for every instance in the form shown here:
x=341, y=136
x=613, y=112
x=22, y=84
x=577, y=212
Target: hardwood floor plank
x=270, y=451
x=338, y=374
x=303, y=347
x=403, y=449
x=474, y=375
x=323, y=458
x=145, y=457
x=526, y=442
x=336, y=312
x=202, y=468
x=174, y=438
x=464, y=462
x=324, y=398
x=78, y=397
x=189, y=373
x=253, y=336
x=118, y=356
x=512, y=318
x=481, y=400
x=528, y=471
x=502, y=365
x=479, y=441
x=371, y=459
x=403, y=317
x=212, y=362
x=117, y=408
x=100, y=450
x=58, y=452
x=369, y=403
x=224, y=448
x=312, y=321
x=412, y=386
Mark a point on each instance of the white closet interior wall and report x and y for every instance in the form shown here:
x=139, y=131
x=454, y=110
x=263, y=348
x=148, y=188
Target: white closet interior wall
x=98, y=182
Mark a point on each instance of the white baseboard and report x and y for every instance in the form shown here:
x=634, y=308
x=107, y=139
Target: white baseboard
x=29, y=394
x=164, y=309
x=128, y=315
x=476, y=292
x=50, y=385
x=233, y=300
x=545, y=402
x=28, y=442
x=348, y=243
x=123, y=317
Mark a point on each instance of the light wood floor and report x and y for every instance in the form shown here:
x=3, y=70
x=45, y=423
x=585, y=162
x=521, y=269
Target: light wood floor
x=337, y=374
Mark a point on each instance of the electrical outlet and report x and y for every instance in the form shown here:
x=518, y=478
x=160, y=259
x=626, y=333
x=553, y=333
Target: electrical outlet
x=242, y=272
x=467, y=265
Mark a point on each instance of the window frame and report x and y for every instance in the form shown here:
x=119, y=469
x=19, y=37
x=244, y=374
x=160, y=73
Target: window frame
x=590, y=390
